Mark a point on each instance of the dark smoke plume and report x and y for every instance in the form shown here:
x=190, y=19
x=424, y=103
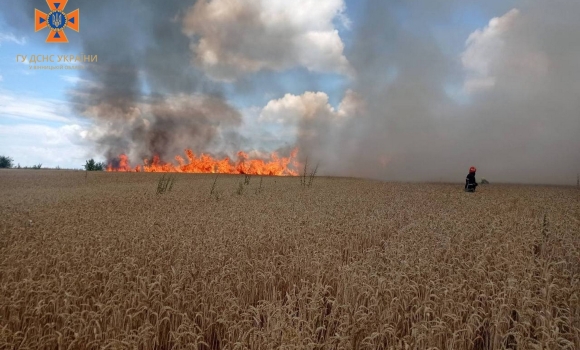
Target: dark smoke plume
x=418, y=111
x=144, y=95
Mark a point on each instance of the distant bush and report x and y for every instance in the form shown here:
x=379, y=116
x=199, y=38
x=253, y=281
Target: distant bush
x=91, y=165
x=6, y=162
x=37, y=166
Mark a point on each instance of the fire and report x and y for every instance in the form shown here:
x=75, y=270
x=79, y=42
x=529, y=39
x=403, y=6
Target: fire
x=278, y=166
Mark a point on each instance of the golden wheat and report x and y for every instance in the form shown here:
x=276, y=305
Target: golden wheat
x=103, y=262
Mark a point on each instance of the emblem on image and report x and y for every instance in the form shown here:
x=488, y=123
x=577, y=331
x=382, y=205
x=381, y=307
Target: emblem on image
x=56, y=21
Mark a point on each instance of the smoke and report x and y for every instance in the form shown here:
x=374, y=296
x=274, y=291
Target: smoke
x=154, y=92
x=144, y=96
x=423, y=98
x=236, y=37
x=320, y=130
x=508, y=104
x=148, y=99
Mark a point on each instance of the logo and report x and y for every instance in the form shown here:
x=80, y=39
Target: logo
x=56, y=21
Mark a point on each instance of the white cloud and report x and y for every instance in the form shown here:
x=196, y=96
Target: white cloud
x=1, y=78
x=35, y=130
x=71, y=79
x=31, y=108
x=284, y=121
x=312, y=124
x=483, y=48
x=9, y=37
x=502, y=51
x=352, y=105
x=30, y=144
x=235, y=37
x=292, y=109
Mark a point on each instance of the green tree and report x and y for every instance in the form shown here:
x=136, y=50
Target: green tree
x=6, y=162
x=91, y=165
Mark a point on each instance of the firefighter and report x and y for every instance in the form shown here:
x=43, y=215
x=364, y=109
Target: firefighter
x=470, y=183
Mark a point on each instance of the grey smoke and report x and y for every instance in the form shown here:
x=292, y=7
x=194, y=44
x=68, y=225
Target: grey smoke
x=525, y=129
x=149, y=125
x=144, y=95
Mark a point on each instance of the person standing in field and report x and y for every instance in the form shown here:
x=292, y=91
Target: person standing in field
x=470, y=183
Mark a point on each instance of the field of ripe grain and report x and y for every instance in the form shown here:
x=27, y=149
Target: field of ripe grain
x=100, y=261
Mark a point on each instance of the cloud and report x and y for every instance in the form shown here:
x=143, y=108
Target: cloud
x=1, y=78
x=484, y=46
x=500, y=51
x=11, y=38
x=78, y=81
x=235, y=37
x=30, y=144
x=309, y=122
x=71, y=79
x=519, y=125
x=23, y=107
x=290, y=121
x=293, y=109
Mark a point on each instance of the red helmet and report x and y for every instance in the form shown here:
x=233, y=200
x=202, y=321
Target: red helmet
x=472, y=169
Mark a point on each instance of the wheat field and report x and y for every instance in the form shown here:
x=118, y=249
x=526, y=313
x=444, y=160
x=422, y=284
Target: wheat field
x=104, y=261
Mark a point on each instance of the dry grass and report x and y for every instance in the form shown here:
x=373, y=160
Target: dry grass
x=105, y=263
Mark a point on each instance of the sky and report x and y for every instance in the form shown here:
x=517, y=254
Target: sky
x=394, y=89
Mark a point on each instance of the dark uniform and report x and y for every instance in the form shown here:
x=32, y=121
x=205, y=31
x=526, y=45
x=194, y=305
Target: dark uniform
x=470, y=183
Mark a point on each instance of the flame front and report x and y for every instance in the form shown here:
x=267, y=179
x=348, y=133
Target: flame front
x=204, y=164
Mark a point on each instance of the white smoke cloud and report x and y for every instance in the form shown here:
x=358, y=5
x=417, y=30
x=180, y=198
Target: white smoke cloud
x=292, y=108
x=502, y=52
x=310, y=106
x=235, y=37
x=310, y=122
x=484, y=48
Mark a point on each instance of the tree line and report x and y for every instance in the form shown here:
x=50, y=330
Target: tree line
x=90, y=165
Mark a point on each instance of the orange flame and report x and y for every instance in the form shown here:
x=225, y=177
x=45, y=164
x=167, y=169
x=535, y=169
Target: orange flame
x=206, y=164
